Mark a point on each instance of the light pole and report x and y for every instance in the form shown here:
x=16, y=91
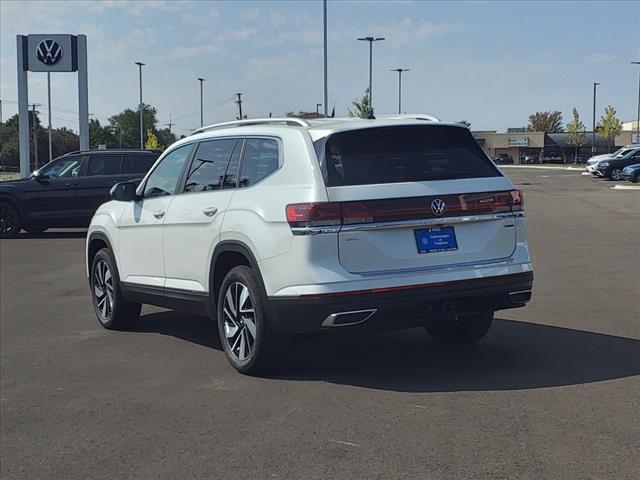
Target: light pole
x=400, y=70
x=49, y=108
x=593, y=133
x=326, y=88
x=318, y=105
x=201, y=104
x=638, y=119
x=371, y=40
x=140, y=65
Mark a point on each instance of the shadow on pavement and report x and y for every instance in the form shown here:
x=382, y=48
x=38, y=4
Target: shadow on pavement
x=514, y=355
x=48, y=235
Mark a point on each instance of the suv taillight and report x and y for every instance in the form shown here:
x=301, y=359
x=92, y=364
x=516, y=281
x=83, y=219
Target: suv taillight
x=319, y=214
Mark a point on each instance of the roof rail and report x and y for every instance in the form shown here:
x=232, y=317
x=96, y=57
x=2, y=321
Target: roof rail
x=410, y=116
x=294, y=122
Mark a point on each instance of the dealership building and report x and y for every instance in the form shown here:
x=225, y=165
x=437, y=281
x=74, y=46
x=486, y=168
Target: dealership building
x=521, y=144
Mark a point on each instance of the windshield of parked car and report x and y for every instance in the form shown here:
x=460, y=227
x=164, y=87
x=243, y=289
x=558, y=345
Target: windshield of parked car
x=64, y=167
x=412, y=153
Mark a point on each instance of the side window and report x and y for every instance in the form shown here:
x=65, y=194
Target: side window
x=133, y=164
x=209, y=165
x=64, y=167
x=164, y=179
x=104, y=165
x=260, y=159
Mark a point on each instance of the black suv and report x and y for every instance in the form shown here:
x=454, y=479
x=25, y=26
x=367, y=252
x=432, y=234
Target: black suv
x=68, y=190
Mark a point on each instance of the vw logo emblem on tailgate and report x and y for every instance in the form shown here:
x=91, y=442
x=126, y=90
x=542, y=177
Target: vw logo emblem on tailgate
x=49, y=52
x=438, y=207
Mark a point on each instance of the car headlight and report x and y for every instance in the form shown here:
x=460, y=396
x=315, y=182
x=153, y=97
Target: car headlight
x=603, y=164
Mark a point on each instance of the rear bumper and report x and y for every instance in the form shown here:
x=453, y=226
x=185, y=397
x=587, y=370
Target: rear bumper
x=398, y=308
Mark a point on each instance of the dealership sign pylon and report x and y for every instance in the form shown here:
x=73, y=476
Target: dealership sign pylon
x=51, y=53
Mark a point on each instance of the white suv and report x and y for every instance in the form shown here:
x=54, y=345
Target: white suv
x=281, y=227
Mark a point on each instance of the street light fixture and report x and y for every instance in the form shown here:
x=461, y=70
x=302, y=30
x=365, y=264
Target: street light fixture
x=400, y=70
x=371, y=40
x=638, y=119
x=201, y=80
x=140, y=65
x=593, y=133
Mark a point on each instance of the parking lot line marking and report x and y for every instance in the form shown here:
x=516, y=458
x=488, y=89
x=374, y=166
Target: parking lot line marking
x=625, y=187
x=342, y=442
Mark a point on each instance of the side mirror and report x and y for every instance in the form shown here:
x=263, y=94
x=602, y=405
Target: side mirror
x=38, y=176
x=124, y=191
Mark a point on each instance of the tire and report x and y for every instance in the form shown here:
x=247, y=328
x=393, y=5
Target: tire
x=10, y=221
x=636, y=178
x=460, y=330
x=34, y=229
x=249, y=343
x=112, y=310
x=616, y=174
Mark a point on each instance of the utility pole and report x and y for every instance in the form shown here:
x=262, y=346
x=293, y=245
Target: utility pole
x=140, y=65
x=400, y=70
x=371, y=40
x=326, y=88
x=201, y=80
x=638, y=120
x=318, y=105
x=35, y=134
x=239, y=103
x=593, y=134
x=170, y=124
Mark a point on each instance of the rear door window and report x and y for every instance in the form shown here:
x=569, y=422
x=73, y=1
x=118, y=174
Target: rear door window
x=259, y=160
x=403, y=154
x=137, y=164
x=104, y=165
x=209, y=165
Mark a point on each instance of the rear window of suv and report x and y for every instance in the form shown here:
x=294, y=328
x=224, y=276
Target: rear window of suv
x=402, y=154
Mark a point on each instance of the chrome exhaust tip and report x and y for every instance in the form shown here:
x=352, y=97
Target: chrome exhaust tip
x=345, y=319
x=520, y=297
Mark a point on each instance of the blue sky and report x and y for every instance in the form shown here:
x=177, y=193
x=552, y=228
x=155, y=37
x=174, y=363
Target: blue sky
x=492, y=63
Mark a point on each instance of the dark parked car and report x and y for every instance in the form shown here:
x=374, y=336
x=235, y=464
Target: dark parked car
x=68, y=190
x=632, y=173
x=503, y=158
x=613, y=167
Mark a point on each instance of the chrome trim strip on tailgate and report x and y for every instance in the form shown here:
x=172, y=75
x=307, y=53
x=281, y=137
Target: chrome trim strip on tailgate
x=430, y=221
x=405, y=223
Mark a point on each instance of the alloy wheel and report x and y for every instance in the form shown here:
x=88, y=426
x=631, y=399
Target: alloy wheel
x=239, y=321
x=616, y=174
x=103, y=290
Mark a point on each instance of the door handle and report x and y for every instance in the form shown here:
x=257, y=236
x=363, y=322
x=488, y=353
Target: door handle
x=158, y=214
x=69, y=184
x=210, y=212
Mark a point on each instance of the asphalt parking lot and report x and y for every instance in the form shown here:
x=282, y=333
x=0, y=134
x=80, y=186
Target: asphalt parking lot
x=552, y=392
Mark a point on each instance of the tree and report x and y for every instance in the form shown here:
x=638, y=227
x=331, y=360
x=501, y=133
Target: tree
x=547, y=122
x=464, y=123
x=576, y=133
x=165, y=138
x=609, y=125
x=126, y=125
x=99, y=135
x=361, y=107
x=152, y=141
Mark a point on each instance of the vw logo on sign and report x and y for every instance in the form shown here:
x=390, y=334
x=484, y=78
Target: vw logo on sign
x=49, y=52
x=438, y=207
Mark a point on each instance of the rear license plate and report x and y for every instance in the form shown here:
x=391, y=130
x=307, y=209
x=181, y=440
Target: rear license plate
x=437, y=239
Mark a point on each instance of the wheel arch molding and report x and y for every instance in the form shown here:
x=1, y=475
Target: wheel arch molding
x=13, y=200
x=226, y=247
x=94, y=240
